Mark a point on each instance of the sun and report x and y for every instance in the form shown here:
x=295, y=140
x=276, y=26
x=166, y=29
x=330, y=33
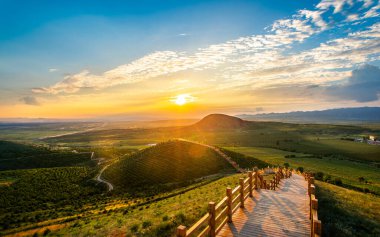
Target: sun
x=182, y=99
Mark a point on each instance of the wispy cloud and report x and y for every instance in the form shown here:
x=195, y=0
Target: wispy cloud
x=257, y=61
x=30, y=100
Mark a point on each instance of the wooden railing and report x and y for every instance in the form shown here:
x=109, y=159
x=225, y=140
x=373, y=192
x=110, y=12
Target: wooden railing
x=221, y=213
x=316, y=225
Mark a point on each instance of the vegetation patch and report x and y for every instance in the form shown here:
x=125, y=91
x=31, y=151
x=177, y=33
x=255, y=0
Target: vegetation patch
x=346, y=212
x=165, y=166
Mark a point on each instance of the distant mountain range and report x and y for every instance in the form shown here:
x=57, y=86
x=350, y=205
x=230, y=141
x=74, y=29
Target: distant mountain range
x=360, y=114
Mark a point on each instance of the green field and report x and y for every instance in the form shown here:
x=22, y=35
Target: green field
x=349, y=171
x=322, y=140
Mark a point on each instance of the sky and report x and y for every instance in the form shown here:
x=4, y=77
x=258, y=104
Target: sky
x=185, y=59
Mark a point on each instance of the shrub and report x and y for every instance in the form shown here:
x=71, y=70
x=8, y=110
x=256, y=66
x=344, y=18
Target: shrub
x=180, y=217
x=300, y=169
x=286, y=165
x=165, y=218
x=135, y=227
x=338, y=181
x=163, y=229
x=46, y=232
x=146, y=224
x=361, y=179
x=319, y=176
x=327, y=178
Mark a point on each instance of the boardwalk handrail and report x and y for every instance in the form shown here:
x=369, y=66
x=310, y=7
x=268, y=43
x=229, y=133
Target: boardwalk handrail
x=220, y=214
x=316, y=224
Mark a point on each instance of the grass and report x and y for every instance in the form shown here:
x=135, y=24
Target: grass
x=164, y=166
x=346, y=212
x=161, y=218
x=20, y=156
x=245, y=162
x=349, y=171
x=41, y=194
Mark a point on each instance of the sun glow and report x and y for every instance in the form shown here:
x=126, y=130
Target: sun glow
x=182, y=99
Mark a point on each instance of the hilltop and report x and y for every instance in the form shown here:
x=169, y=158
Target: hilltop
x=166, y=165
x=220, y=122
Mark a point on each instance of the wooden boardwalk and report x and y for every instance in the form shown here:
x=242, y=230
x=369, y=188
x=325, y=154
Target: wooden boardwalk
x=283, y=212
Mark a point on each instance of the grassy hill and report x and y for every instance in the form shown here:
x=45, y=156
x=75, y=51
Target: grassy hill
x=166, y=165
x=220, y=122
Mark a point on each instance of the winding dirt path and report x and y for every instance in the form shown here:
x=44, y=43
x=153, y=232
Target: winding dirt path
x=99, y=178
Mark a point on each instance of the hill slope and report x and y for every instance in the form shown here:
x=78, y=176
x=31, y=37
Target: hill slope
x=166, y=164
x=15, y=156
x=370, y=114
x=219, y=122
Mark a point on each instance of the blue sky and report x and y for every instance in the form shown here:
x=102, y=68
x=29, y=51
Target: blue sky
x=55, y=53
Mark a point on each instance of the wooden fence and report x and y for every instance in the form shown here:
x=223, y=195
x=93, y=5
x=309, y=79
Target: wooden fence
x=221, y=213
x=316, y=225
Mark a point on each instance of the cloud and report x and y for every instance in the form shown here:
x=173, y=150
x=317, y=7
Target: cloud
x=362, y=86
x=30, y=100
x=259, y=109
x=283, y=33
x=373, y=12
x=257, y=61
x=53, y=69
x=316, y=17
x=338, y=5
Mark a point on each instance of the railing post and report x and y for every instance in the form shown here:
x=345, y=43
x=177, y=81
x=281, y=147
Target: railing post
x=311, y=181
x=211, y=222
x=241, y=181
x=314, y=204
x=250, y=183
x=229, y=204
x=317, y=227
x=181, y=231
x=256, y=177
x=312, y=191
x=265, y=184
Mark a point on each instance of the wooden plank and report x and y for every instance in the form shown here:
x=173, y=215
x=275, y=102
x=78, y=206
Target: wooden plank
x=199, y=223
x=284, y=212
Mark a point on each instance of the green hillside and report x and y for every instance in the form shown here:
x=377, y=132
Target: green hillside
x=166, y=165
x=15, y=156
x=33, y=195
